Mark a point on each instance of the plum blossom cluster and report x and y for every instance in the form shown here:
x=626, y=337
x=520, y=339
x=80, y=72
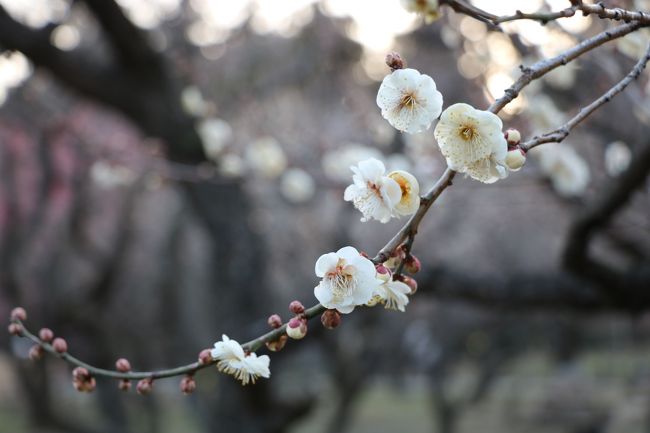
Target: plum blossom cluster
x=349, y=279
x=382, y=196
x=471, y=140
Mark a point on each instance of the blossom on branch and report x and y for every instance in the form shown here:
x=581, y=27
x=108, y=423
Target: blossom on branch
x=409, y=100
x=427, y=8
x=472, y=142
x=348, y=280
x=393, y=294
x=410, y=200
x=231, y=359
x=373, y=193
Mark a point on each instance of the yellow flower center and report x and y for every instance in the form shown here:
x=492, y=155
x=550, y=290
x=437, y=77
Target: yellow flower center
x=408, y=101
x=467, y=132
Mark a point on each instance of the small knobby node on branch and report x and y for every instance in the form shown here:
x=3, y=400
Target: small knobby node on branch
x=472, y=142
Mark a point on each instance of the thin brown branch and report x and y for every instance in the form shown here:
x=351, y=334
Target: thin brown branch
x=543, y=67
x=562, y=132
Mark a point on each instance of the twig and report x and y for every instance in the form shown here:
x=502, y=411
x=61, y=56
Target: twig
x=542, y=67
x=562, y=132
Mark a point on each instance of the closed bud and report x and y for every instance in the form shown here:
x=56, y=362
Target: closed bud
x=296, y=307
x=395, y=61
x=277, y=345
x=275, y=321
x=330, y=319
x=412, y=264
x=36, y=352
x=144, y=386
x=80, y=373
x=383, y=273
x=409, y=282
x=513, y=137
x=60, y=345
x=90, y=385
x=46, y=335
x=296, y=328
x=124, y=385
x=19, y=313
x=205, y=357
x=187, y=385
x=123, y=365
x=515, y=159
x=15, y=329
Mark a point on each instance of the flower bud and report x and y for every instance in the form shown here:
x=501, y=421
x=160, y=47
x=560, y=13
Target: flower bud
x=515, y=159
x=123, y=365
x=383, y=273
x=513, y=137
x=409, y=281
x=297, y=328
x=205, y=357
x=412, y=264
x=296, y=307
x=19, y=313
x=60, y=345
x=187, y=385
x=395, y=61
x=81, y=374
x=275, y=321
x=15, y=329
x=277, y=345
x=144, y=386
x=46, y=335
x=36, y=352
x=330, y=319
x=90, y=385
x=124, y=385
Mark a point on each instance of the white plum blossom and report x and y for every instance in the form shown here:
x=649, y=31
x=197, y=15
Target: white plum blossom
x=409, y=100
x=617, y=158
x=348, y=280
x=427, y=8
x=297, y=185
x=266, y=157
x=393, y=295
x=231, y=359
x=373, y=193
x=472, y=142
x=410, y=200
x=215, y=135
x=569, y=173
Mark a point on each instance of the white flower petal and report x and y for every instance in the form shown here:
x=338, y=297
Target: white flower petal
x=325, y=264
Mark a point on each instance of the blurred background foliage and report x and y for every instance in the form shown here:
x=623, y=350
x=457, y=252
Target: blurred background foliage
x=173, y=176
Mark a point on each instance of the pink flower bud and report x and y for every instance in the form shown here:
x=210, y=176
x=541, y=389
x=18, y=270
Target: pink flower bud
x=19, y=313
x=80, y=373
x=410, y=282
x=277, y=345
x=330, y=319
x=188, y=385
x=297, y=328
x=412, y=264
x=275, y=321
x=123, y=365
x=205, y=357
x=383, y=270
x=124, y=385
x=15, y=329
x=46, y=335
x=60, y=345
x=144, y=386
x=36, y=352
x=296, y=307
x=395, y=61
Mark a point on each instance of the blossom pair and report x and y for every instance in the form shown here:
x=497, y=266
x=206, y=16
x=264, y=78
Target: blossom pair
x=350, y=279
x=471, y=140
x=231, y=359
